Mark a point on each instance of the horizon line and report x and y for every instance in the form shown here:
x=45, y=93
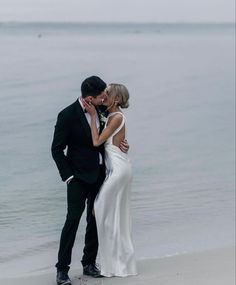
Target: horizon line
x=116, y=22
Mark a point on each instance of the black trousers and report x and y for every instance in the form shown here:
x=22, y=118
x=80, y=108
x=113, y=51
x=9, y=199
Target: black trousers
x=78, y=193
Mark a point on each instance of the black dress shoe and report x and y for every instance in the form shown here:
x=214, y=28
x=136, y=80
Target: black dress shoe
x=63, y=278
x=92, y=270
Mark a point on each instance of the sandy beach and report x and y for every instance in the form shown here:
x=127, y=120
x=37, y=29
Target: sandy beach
x=203, y=268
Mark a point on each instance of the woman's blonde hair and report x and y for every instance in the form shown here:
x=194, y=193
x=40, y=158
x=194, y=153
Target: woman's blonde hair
x=119, y=94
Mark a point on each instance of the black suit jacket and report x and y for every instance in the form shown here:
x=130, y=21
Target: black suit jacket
x=73, y=132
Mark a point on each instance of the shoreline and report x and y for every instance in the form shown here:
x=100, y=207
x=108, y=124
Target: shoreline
x=206, y=268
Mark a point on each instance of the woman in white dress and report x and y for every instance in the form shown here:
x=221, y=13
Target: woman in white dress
x=112, y=205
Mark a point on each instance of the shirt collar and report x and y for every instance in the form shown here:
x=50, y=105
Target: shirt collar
x=81, y=104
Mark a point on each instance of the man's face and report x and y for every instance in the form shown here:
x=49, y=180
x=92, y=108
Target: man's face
x=99, y=99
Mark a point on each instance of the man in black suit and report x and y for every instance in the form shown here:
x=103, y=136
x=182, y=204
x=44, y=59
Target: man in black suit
x=82, y=168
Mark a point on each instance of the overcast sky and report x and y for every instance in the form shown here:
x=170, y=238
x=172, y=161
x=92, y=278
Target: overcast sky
x=118, y=10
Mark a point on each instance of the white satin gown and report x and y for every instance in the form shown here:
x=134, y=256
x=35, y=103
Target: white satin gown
x=112, y=212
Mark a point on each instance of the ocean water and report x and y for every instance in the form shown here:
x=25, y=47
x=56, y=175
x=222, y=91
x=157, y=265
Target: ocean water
x=181, y=132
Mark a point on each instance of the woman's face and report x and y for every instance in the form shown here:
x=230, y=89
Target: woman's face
x=107, y=97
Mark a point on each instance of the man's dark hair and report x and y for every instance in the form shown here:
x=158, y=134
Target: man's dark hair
x=92, y=86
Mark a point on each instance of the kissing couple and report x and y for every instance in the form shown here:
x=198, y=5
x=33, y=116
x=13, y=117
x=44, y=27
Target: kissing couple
x=98, y=175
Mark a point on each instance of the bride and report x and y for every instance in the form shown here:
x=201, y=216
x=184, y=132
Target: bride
x=112, y=205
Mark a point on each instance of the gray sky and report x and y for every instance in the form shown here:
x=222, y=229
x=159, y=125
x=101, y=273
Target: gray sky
x=118, y=10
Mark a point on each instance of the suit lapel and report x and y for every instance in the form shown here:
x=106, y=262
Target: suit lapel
x=83, y=119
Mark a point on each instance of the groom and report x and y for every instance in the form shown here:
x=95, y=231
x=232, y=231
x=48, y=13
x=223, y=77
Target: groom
x=83, y=170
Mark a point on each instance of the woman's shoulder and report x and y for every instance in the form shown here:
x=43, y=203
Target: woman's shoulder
x=116, y=121
x=116, y=117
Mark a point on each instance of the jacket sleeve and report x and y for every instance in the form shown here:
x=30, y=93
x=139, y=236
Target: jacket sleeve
x=59, y=143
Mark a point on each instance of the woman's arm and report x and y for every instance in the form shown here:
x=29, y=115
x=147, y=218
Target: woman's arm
x=108, y=131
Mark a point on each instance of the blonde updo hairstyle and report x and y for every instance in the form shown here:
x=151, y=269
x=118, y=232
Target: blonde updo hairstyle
x=119, y=95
